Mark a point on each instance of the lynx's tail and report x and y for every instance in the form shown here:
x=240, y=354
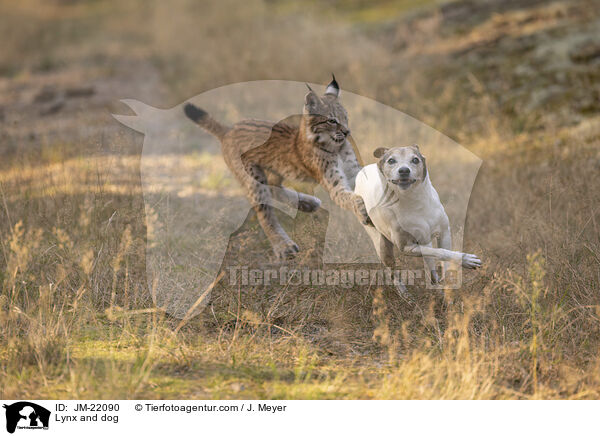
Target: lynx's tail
x=204, y=120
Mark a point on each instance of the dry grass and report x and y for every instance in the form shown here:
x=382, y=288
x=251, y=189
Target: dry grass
x=76, y=316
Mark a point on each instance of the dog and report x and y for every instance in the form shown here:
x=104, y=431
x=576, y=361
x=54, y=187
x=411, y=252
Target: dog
x=407, y=212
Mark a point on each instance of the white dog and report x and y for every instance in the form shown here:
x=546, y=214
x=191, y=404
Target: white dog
x=406, y=211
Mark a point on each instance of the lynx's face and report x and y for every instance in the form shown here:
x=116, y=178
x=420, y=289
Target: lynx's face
x=326, y=119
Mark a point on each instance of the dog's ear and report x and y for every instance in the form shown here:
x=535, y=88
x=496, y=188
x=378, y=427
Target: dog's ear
x=380, y=152
x=416, y=148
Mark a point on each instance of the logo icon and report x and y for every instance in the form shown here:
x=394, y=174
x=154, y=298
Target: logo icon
x=26, y=415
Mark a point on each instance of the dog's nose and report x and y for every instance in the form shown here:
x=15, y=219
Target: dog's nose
x=404, y=171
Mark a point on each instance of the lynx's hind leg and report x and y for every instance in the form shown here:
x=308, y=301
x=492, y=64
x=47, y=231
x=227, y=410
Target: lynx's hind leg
x=253, y=178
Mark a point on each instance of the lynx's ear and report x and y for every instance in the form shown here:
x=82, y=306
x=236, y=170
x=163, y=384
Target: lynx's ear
x=333, y=88
x=311, y=102
x=380, y=152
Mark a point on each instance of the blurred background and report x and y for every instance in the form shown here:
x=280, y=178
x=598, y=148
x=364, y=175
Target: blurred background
x=516, y=82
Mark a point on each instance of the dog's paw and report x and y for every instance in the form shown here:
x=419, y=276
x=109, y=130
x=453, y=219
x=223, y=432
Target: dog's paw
x=308, y=203
x=403, y=292
x=360, y=210
x=435, y=278
x=286, y=250
x=470, y=261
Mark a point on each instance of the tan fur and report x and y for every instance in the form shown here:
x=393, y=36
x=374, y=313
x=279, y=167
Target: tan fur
x=313, y=146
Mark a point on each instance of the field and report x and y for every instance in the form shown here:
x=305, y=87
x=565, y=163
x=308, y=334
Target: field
x=515, y=82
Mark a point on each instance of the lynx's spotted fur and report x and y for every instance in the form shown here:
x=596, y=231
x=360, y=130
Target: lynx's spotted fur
x=312, y=146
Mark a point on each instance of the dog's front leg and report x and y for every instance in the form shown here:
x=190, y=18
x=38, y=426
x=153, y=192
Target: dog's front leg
x=445, y=242
x=385, y=251
x=429, y=251
x=467, y=260
x=431, y=263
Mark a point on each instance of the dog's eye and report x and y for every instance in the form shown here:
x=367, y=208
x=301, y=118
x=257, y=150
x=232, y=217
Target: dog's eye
x=332, y=121
x=391, y=161
x=415, y=160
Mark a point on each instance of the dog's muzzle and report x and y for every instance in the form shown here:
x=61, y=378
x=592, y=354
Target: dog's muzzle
x=403, y=182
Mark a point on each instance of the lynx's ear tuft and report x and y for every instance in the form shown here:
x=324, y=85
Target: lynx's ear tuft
x=333, y=88
x=380, y=152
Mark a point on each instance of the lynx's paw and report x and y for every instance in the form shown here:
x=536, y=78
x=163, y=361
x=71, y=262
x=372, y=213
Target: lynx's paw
x=308, y=203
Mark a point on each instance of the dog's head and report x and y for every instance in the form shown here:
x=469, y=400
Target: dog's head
x=405, y=167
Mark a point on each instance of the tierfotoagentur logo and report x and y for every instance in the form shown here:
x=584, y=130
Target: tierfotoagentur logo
x=213, y=216
x=25, y=415
x=339, y=277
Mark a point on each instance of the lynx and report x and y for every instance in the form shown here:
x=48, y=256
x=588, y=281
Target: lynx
x=313, y=146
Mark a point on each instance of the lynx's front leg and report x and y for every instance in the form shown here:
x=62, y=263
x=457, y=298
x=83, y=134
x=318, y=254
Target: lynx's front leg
x=350, y=164
x=336, y=184
x=304, y=202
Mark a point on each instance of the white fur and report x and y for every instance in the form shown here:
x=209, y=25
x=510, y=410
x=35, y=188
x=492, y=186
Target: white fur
x=416, y=211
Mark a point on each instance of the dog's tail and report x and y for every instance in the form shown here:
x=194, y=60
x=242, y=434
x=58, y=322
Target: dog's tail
x=204, y=120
